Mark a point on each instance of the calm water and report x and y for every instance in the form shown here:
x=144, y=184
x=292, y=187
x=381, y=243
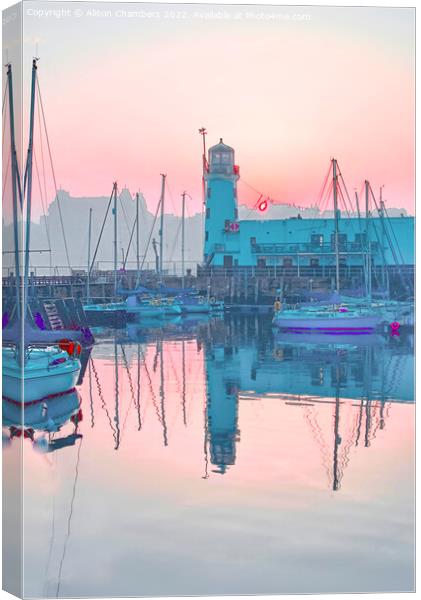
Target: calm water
x=214, y=458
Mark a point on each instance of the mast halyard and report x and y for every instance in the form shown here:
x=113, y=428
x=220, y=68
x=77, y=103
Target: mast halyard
x=161, y=230
x=28, y=187
x=336, y=215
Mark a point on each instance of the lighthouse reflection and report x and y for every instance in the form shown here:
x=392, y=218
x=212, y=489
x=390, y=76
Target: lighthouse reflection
x=221, y=408
x=343, y=386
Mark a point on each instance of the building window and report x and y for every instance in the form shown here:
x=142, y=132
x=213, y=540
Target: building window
x=287, y=262
x=227, y=224
x=216, y=157
x=235, y=213
x=252, y=241
x=261, y=262
x=317, y=240
x=209, y=192
x=206, y=235
x=361, y=239
x=208, y=213
x=342, y=241
x=226, y=157
x=314, y=262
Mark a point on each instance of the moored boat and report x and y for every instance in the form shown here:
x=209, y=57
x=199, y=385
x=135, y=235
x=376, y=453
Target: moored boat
x=46, y=372
x=334, y=319
x=98, y=314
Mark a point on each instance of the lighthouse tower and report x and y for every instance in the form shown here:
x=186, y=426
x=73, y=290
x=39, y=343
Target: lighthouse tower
x=221, y=178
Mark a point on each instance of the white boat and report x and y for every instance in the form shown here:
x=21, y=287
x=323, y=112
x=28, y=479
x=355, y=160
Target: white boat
x=47, y=372
x=328, y=319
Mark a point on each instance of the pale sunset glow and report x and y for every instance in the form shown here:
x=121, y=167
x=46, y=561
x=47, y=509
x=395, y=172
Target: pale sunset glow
x=124, y=98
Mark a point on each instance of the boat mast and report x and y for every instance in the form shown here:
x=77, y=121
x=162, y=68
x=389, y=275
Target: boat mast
x=162, y=392
x=15, y=178
x=115, y=237
x=28, y=186
x=88, y=279
x=367, y=224
x=183, y=215
x=117, y=399
x=137, y=241
x=154, y=245
x=336, y=214
x=363, y=255
x=337, y=437
x=161, y=230
x=385, y=282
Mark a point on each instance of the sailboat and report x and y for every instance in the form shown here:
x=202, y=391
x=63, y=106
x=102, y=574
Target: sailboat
x=35, y=364
x=115, y=311
x=190, y=301
x=145, y=303
x=333, y=317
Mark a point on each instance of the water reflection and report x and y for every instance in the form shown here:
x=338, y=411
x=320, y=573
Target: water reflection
x=44, y=423
x=222, y=415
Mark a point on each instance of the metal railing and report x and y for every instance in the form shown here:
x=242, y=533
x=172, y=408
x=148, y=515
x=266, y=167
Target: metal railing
x=309, y=248
x=104, y=269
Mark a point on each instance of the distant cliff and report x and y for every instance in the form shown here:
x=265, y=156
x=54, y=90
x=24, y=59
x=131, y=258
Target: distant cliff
x=75, y=214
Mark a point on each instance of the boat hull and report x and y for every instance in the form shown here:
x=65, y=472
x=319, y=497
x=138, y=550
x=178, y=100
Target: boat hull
x=333, y=324
x=154, y=312
x=37, y=382
x=48, y=416
x=190, y=309
x=106, y=314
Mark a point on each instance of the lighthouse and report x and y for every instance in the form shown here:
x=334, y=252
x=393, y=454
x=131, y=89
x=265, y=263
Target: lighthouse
x=221, y=176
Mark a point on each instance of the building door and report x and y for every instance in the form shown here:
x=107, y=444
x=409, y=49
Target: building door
x=227, y=262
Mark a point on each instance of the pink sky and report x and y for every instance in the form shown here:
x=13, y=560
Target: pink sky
x=124, y=100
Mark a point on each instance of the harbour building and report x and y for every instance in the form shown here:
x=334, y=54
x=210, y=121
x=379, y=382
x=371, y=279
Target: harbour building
x=299, y=246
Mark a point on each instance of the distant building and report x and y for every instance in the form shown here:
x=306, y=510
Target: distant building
x=295, y=241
